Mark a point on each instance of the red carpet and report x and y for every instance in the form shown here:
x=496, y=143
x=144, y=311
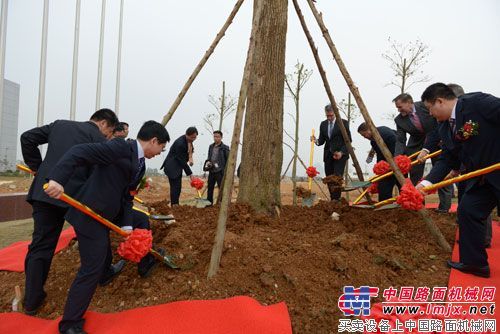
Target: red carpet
x=242, y=315
x=12, y=257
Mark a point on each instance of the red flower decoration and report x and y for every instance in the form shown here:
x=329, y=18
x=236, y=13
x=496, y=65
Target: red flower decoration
x=403, y=162
x=469, y=129
x=373, y=188
x=197, y=183
x=381, y=167
x=311, y=171
x=137, y=245
x=410, y=198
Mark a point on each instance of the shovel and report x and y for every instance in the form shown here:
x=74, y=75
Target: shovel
x=445, y=183
x=166, y=259
x=376, y=178
x=309, y=201
x=200, y=202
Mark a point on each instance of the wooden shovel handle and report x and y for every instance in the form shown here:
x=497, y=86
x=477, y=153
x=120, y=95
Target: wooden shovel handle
x=89, y=212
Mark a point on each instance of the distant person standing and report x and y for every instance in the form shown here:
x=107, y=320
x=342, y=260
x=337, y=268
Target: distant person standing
x=177, y=161
x=335, y=153
x=121, y=130
x=48, y=213
x=215, y=164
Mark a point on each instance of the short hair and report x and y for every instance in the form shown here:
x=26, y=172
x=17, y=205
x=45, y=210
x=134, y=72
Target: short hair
x=363, y=127
x=191, y=130
x=120, y=127
x=437, y=90
x=328, y=107
x=105, y=114
x=152, y=129
x=457, y=89
x=219, y=132
x=404, y=97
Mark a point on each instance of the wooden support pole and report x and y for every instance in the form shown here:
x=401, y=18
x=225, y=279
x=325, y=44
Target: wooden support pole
x=227, y=187
x=202, y=63
x=376, y=136
x=338, y=118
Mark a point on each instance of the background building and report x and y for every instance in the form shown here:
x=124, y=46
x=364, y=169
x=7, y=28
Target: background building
x=8, y=131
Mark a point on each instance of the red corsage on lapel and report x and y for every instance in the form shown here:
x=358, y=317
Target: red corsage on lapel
x=469, y=129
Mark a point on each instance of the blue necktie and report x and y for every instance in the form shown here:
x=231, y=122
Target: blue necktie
x=452, y=126
x=330, y=129
x=138, y=173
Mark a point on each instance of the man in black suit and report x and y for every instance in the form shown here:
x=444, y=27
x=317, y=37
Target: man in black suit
x=218, y=153
x=177, y=161
x=118, y=165
x=469, y=151
x=389, y=137
x=48, y=214
x=414, y=120
x=335, y=153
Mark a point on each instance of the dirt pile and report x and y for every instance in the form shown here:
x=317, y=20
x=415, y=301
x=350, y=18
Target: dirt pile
x=303, y=257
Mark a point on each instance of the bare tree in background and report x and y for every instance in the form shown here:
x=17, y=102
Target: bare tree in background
x=224, y=106
x=293, y=84
x=406, y=62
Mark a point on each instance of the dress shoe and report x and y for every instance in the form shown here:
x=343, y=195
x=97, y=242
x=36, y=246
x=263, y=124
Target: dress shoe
x=112, y=272
x=470, y=269
x=34, y=310
x=148, y=263
x=442, y=211
x=74, y=330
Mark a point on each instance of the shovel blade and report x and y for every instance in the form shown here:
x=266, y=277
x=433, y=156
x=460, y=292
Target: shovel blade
x=387, y=206
x=201, y=203
x=363, y=206
x=356, y=185
x=169, y=262
x=162, y=217
x=309, y=201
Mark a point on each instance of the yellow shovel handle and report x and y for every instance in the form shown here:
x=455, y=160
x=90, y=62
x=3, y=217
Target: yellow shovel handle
x=453, y=180
x=311, y=155
x=25, y=169
x=413, y=163
x=383, y=176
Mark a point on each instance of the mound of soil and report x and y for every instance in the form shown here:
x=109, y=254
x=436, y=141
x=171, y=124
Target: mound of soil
x=334, y=182
x=303, y=192
x=302, y=257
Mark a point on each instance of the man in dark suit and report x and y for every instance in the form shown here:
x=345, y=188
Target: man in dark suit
x=118, y=165
x=468, y=150
x=413, y=120
x=335, y=153
x=48, y=214
x=389, y=137
x=177, y=161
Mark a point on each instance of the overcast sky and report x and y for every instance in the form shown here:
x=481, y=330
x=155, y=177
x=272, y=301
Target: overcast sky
x=164, y=40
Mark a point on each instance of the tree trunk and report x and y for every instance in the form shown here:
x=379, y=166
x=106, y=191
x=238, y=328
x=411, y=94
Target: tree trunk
x=262, y=154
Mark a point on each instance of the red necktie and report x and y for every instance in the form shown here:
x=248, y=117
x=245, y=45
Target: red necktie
x=416, y=121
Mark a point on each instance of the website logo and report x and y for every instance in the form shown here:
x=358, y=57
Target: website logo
x=355, y=302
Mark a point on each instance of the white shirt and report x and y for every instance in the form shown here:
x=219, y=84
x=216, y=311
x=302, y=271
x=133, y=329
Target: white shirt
x=140, y=151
